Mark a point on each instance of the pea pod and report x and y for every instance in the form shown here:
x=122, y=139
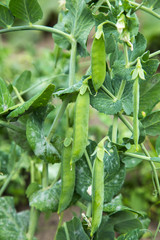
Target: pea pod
x=67, y=174
x=98, y=62
x=81, y=118
x=136, y=111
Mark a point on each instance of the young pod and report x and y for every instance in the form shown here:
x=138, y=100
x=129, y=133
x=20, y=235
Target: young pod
x=98, y=62
x=67, y=174
x=81, y=118
x=97, y=194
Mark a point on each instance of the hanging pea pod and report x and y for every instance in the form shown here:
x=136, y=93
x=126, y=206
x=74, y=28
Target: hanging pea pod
x=98, y=60
x=98, y=187
x=137, y=73
x=67, y=173
x=81, y=119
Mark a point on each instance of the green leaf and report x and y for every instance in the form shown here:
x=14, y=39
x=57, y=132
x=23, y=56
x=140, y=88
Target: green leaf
x=149, y=94
x=138, y=47
x=36, y=137
x=46, y=199
x=151, y=124
x=112, y=185
x=12, y=225
x=39, y=100
x=131, y=162
x=6, y=17
x=75, y=231
x=27, y=10
x=23, y=81
x=5, y=97
x=114, y=205
x=3, y=162
x=33, y=187
x=78, y=21
x=106, y=230
x=150, y=67
x=132, y=235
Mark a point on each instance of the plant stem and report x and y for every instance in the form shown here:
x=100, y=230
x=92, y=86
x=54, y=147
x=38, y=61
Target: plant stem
x=139, y=156
x=11, y=126
x=145, y=9
x=72, y=67
x=38, y=28
x=81, y=205
x=57, y=177
x=45, y=175
x=18, y=95
x=3, y=188
x=154, y=54
x=121, y=89
x=57, y=118
x=114, y=129
x=34, y=213
x=109, y=5
x=126, y=55
x=157, y=231
x=89, y=210
x=109, y=93
x=59, y=224
x=97, y=6
x=66, y=231
x=88, y=161
x=136, y=111
x=126, y=122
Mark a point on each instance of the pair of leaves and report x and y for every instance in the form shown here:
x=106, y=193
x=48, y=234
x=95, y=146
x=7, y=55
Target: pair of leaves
x=77, y=21
x=27, y=10
x=37, y=139
x=114, y=173
x=13, y=225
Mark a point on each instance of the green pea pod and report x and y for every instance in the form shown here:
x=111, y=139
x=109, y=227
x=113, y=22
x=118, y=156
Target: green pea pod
x=67, y=174
x=81, y=119
x=97, y=194
x=98, y=62
x=135, y=112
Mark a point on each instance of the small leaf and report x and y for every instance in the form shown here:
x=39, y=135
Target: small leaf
x=39, y=100
x=5, y=97
x=6, y=17
x=138, y=47
x=47, y=199
x=27, y=10
x=151, y=124
x=23, y=81
x=75, y=231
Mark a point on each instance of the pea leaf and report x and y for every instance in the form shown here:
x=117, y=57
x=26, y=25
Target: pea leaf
x=5, y=97
x=36, y=137
x=75, y=231
x=138, y=47
x=6, y=17
x=131, y=162
x=151, y=124
x=23, y=81
x=3, y=162
x=106, y=229
x=12, y=225
x=135, y=234
x=150, y=67
x=112, y=185
x=39, y=100
x=78, y=21
x=149, y=94
x=27, y=10
x=46, y=199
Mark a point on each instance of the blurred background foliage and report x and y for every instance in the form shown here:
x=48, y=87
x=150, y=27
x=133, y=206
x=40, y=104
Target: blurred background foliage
x=35, y=52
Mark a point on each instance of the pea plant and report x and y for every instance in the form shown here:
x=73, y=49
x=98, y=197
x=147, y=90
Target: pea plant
x=121, y=82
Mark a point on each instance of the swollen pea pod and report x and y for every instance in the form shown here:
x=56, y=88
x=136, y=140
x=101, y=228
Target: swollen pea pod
x=81, y=119
x=67, y=173
x=135, y=112
x=98, y=187
x=98, y=62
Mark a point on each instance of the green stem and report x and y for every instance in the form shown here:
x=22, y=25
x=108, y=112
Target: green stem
x=89, y=210
x=66, y=231
x=121, y=89
x=32, y=170
x=97, y=6
x=57, y=177
x=115, y=128
x=126, y=55
x=139, y=157
x=59, y=224
x=81, y=205
x=57, y=118
x=88, y=161
x=3, y=188
x=126, y=122
x=39, y=83
x=18, y=95
x=135, y=112
x=109, y=5
x=56, y=52
x=108, y=22
x=145, y=9
x=154, y=54
x=11, y=126
x=72, y=67
x=157, y=231
x=45, y=175
x=109, y=93
x=38, y=28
